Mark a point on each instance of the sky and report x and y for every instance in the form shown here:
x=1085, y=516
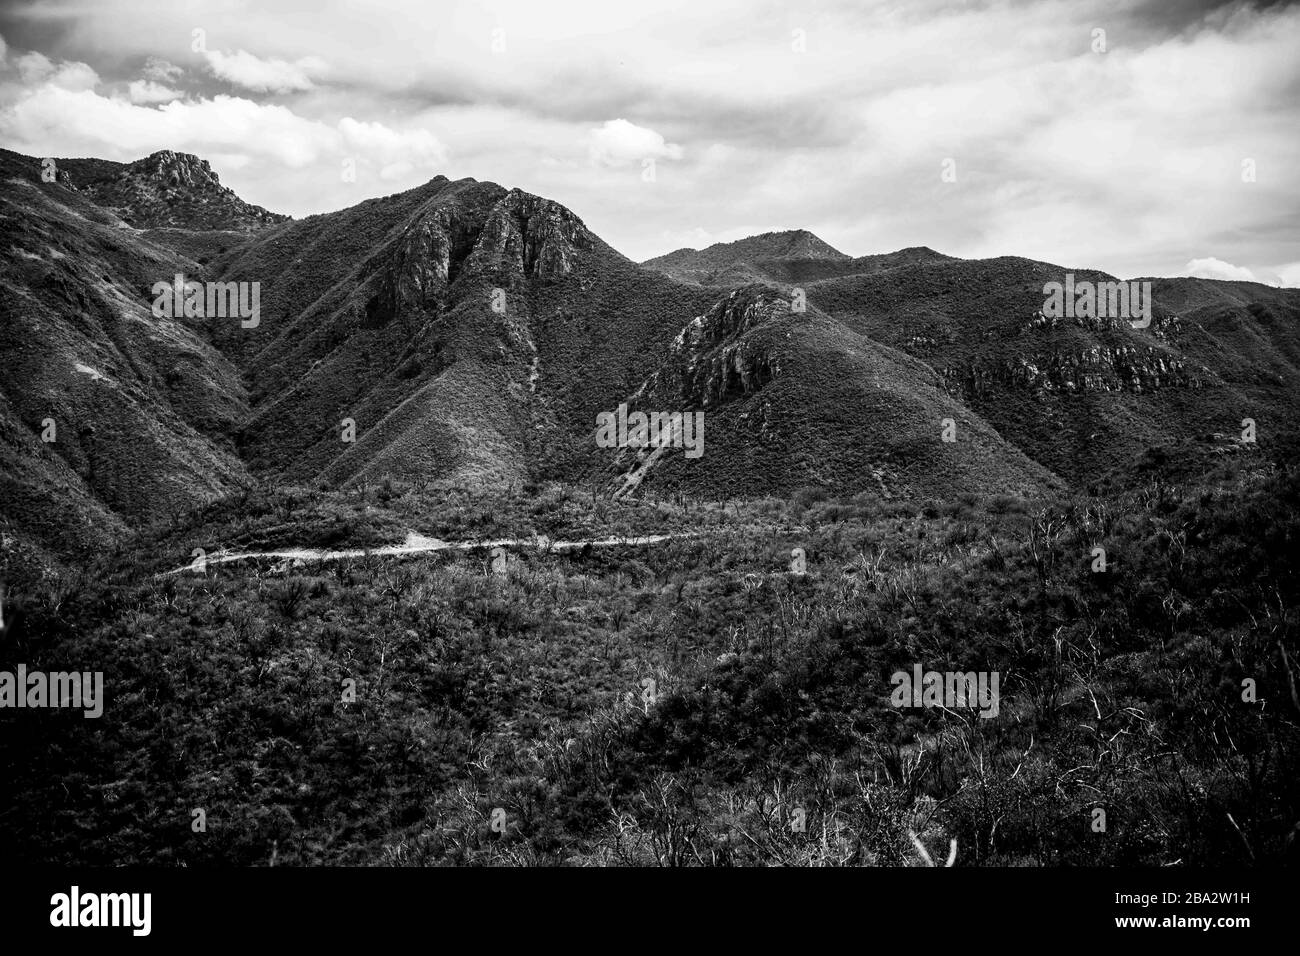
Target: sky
x=1156, y=137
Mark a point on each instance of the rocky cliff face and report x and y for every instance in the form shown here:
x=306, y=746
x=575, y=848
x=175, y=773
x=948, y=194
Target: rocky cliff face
x=422, y=265
x=1097, y=369
x=536, y=237
x=713, y=360
x=506, y=239
x=170, y=189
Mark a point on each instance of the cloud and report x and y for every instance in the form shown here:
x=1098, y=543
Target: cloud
x=378, y=139
x=160, y=71
x=1211, y=268
x=49, y=108
x=1289, y=275
x=259, y=75
x=1128, y=161
x=147, y=91
x=618, y=143
x=51, y=120
x=36, y=68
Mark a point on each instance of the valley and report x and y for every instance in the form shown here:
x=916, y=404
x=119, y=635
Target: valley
x=379, y=576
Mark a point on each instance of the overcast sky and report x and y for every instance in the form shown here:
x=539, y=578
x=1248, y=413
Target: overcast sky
x=1142, y=138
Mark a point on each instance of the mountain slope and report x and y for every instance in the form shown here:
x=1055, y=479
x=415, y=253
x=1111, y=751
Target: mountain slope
x=785, y=257
x=464, y=328
x=165, y=189
x=705, y=266
x=140, y=410
x=793, y=399
x=462, y=331
x=1081, y=396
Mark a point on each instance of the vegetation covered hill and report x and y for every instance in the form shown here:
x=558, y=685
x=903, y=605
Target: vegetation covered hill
x=680, y=700
x=109, y=416
x=683, y=703
x=793, y=399
x=1083, y=396
x=710, y=266
x=165, y=189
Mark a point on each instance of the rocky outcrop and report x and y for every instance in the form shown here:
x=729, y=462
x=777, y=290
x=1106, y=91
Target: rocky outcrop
x=713, y=360
x=421, y=267
x=1162, y=323
x=537, y=237
x=172, y=189
x=1098, y=369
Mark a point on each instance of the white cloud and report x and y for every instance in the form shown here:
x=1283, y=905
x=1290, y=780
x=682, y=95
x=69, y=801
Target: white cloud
x=1212, y=268
x=147, y=91
x=160, y=71
x=265, y=75
x=618, y=143
x=1128, y=161
x=36, y=68
x=277, y=157
x=1289, y=275
x=417, y=146
x=52, y=120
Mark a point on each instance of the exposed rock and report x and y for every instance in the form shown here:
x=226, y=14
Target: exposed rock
x=536, y=236
x=169, y=189
x=1099, y=369
x=714, y=359
x=422, y=266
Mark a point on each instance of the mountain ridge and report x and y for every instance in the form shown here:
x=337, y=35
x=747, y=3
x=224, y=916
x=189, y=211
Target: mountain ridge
x=466, y=331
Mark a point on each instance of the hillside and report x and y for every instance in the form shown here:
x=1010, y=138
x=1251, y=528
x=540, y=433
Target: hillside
x=165, y=189
x=463, y=331
x=466, y=329
x=793, y=399
x=142, y=409
x=673, y=705
x=640, y=656
x=784, y=257
x=1085, y=396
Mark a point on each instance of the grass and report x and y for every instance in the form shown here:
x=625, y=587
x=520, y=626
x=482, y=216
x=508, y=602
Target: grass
x=529, y=691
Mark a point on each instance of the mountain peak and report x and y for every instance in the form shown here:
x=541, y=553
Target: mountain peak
x=176, y=169
x=799, y=244
x=744, y=260
x=783, y=244
x=540, y=237
x=165, y=189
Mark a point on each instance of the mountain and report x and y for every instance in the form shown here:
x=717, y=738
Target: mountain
x=786, y=257
x=465, y=332
x=792, y=399
x=165, y=189
x=743, y=257
x=176, y=199
x=383, y=315
x=1085, y=397
x=109, y=416
x=466, y=329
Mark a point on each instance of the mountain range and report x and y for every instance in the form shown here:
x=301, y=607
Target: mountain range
x=466, y=332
